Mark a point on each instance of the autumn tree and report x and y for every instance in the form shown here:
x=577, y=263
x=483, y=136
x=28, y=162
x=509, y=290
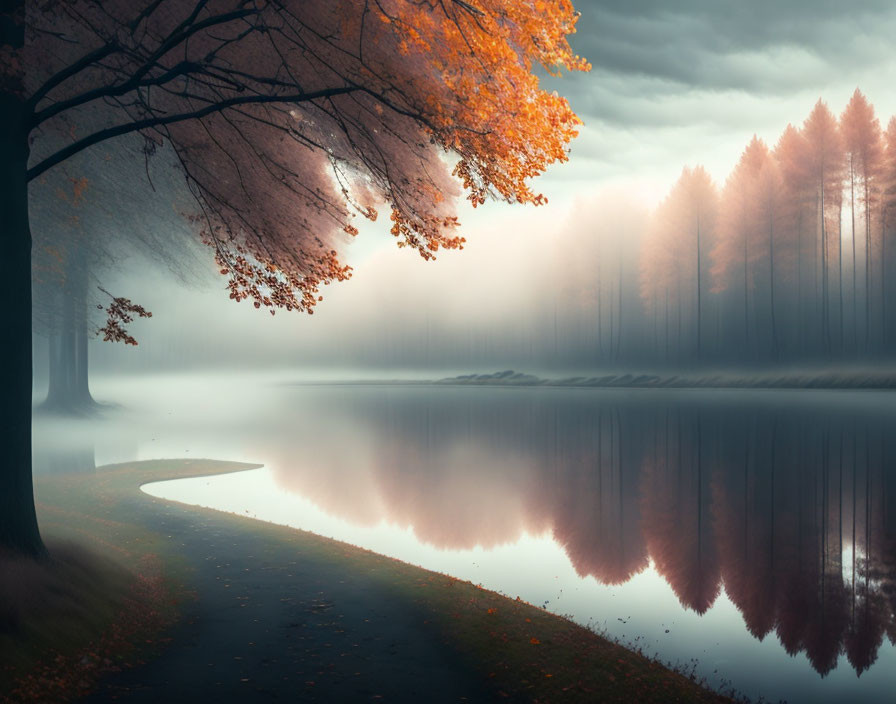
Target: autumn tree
x=682, y=235
x=778, y=250
x=888, y=225
x=796, y=212
x=780, y=285
x=701, y=209
x=740, y=241
x=825, y=164
x=864, y=150
x=288, y=119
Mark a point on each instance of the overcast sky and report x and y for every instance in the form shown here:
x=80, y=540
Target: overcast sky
x=680, y=82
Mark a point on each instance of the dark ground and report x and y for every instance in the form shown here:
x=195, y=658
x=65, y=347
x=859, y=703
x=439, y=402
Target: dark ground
x=274, y=625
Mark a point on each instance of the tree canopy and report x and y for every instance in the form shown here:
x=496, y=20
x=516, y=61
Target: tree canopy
x=291, y=118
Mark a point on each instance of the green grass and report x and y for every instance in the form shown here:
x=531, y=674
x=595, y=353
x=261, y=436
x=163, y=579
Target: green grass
x=526, y=653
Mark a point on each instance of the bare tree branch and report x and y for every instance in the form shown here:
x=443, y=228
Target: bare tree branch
x=137, y=125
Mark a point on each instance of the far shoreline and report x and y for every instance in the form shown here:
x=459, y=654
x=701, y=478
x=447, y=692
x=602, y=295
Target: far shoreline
x=844, y=380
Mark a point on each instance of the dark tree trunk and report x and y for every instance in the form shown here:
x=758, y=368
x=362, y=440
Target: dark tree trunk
x=771, y=277
x=855, y=293
x=825, y=297
x=746, y=303
x=18, y=520
x=842, y=341
x=80, y=387
x=868, y=263
x=67, y=344
x=884, y=328
x=60, y=393
x=69, y=390
x=699, y=298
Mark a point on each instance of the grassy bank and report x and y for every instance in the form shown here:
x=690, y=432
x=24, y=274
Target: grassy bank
x=525, y=653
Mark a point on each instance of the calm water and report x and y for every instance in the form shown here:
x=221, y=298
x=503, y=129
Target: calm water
x=748, y=535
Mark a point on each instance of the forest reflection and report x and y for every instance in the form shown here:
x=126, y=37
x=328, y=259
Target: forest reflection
x=790, y=507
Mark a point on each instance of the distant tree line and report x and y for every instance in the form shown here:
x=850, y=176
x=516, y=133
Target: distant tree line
x=792, y=259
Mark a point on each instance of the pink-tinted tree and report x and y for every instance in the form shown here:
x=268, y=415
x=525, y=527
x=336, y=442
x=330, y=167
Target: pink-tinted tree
x=796, y=215
x=863, y=147
x=888, y=223
x=740, y=242
x=673, y=266
x=825, y=164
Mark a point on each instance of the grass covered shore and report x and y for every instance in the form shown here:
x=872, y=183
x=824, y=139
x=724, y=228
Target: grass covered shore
x=113, y=601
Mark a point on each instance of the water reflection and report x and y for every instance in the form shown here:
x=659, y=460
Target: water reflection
x=771, y=516
x=792, y=509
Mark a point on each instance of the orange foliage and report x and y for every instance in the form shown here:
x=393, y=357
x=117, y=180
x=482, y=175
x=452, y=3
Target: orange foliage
x=292, y=118
x=465, y=72
x=119, y=313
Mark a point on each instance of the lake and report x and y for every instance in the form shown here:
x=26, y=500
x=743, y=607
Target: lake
x=748, y=537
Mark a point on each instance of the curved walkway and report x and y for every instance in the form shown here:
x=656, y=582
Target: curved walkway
x=273, y=622
x=284, y=615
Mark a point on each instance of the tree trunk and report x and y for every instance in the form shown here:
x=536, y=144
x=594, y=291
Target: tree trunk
x=67, y=346
x=801, y=325
x=855, y=291
x=69, y=390
x=60, y=394
x=746, y=303
x=868, y=263
x=883, y=277
x=18, y=520
x=771, y=276
x=699, y=298
x=842, y=340
x=678, y=343
x=81, y=387
x=666, y=329
x=825, y=313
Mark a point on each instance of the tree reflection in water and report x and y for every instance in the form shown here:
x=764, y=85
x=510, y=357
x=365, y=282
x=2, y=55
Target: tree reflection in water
x=790, y=507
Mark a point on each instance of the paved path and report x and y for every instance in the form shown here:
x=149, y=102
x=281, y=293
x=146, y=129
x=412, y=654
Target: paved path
x=273, y=625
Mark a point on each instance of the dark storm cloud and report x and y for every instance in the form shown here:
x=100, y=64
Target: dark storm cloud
x=692, y=41
x=646, y=52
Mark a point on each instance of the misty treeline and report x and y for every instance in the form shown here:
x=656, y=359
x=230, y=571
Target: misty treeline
x=791, y=259
x=87, y=228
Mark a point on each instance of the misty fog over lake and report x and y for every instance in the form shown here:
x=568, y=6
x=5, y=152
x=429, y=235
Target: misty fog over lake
x=749, y=535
